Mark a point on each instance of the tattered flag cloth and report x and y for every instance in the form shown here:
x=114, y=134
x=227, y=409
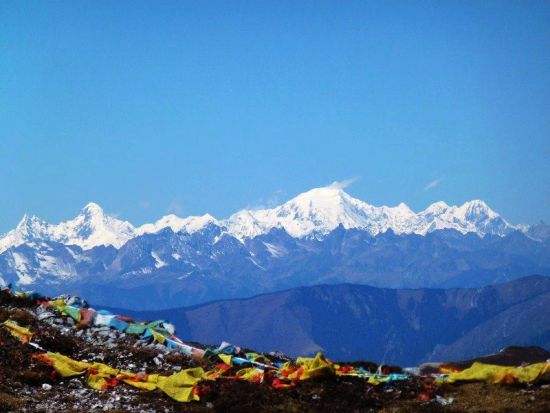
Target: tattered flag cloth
x=489, y=373
x=252, y=367
x=99, y=376
x=22, y=333
x=231, y=362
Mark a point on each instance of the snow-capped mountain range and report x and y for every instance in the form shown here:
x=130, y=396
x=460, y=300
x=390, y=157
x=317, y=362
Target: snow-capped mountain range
x=92, y=227
x=321, y=236
x=311, y=214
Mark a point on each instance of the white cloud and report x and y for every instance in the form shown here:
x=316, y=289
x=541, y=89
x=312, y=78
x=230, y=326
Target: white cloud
x=176, y=207
x=272, y=201
x=344, y=184
x=434, y=183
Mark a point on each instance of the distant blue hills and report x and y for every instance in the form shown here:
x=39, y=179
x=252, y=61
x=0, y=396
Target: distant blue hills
x=322, y=236
x=335, y=272
x=398, y=326
x=211, y=265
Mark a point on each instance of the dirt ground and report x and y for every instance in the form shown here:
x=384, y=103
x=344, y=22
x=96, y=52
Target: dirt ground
x=22, y=378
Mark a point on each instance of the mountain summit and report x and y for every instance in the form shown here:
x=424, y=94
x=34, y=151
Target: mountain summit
x=321, y=210
x=91, y=228
x=320, y=236
x=314, y=213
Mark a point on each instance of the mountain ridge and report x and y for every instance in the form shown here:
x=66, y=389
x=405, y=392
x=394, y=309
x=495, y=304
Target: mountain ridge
x=348, y=321
x=182, y=261
x=316, y=212
x=166, y=268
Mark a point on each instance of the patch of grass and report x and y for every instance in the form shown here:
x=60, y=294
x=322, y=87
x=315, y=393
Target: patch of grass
x=10, y=403
x=23, y=318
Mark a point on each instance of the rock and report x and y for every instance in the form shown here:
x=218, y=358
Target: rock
x=161, y=347
x=157, y=361
x=45, y=315
x=46, y=386
x=108, y=406
x=444, y=401
x=75, y=384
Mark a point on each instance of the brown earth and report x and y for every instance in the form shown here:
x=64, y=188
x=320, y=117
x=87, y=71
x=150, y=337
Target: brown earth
x=22, y=377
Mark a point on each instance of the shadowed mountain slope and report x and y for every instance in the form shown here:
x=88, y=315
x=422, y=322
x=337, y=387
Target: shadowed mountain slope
x=349, y=321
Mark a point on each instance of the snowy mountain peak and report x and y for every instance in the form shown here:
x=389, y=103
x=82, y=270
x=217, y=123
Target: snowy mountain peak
x=321, y=210
x=327, y=202
x=189, y=224
x=403, y=207
x=314, y=213
x=31, y=224
x=91, y=228
x=437, y=207
x=92, y=209
x=478, y=208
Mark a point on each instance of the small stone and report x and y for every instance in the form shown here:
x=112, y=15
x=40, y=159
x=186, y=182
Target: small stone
x=75, y=384
x=161, y=347
x=45, y=315
x=46, y=386
x=108, y=406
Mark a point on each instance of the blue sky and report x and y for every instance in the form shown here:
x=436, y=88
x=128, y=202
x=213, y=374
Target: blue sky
x=193, y=107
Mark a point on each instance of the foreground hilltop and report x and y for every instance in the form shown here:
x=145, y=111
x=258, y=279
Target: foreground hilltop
x=28, y=383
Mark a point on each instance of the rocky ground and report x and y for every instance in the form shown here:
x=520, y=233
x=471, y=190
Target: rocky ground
x=28, y=385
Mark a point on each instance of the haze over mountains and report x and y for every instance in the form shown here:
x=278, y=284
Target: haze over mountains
x=321, y=236
x=348, y=321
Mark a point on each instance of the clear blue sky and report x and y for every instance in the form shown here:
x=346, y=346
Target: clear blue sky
x=194, y=107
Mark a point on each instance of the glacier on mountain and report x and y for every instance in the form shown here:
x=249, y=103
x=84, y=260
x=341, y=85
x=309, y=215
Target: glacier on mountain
x=311, y=214
x=320, y=210
x=91, y=228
